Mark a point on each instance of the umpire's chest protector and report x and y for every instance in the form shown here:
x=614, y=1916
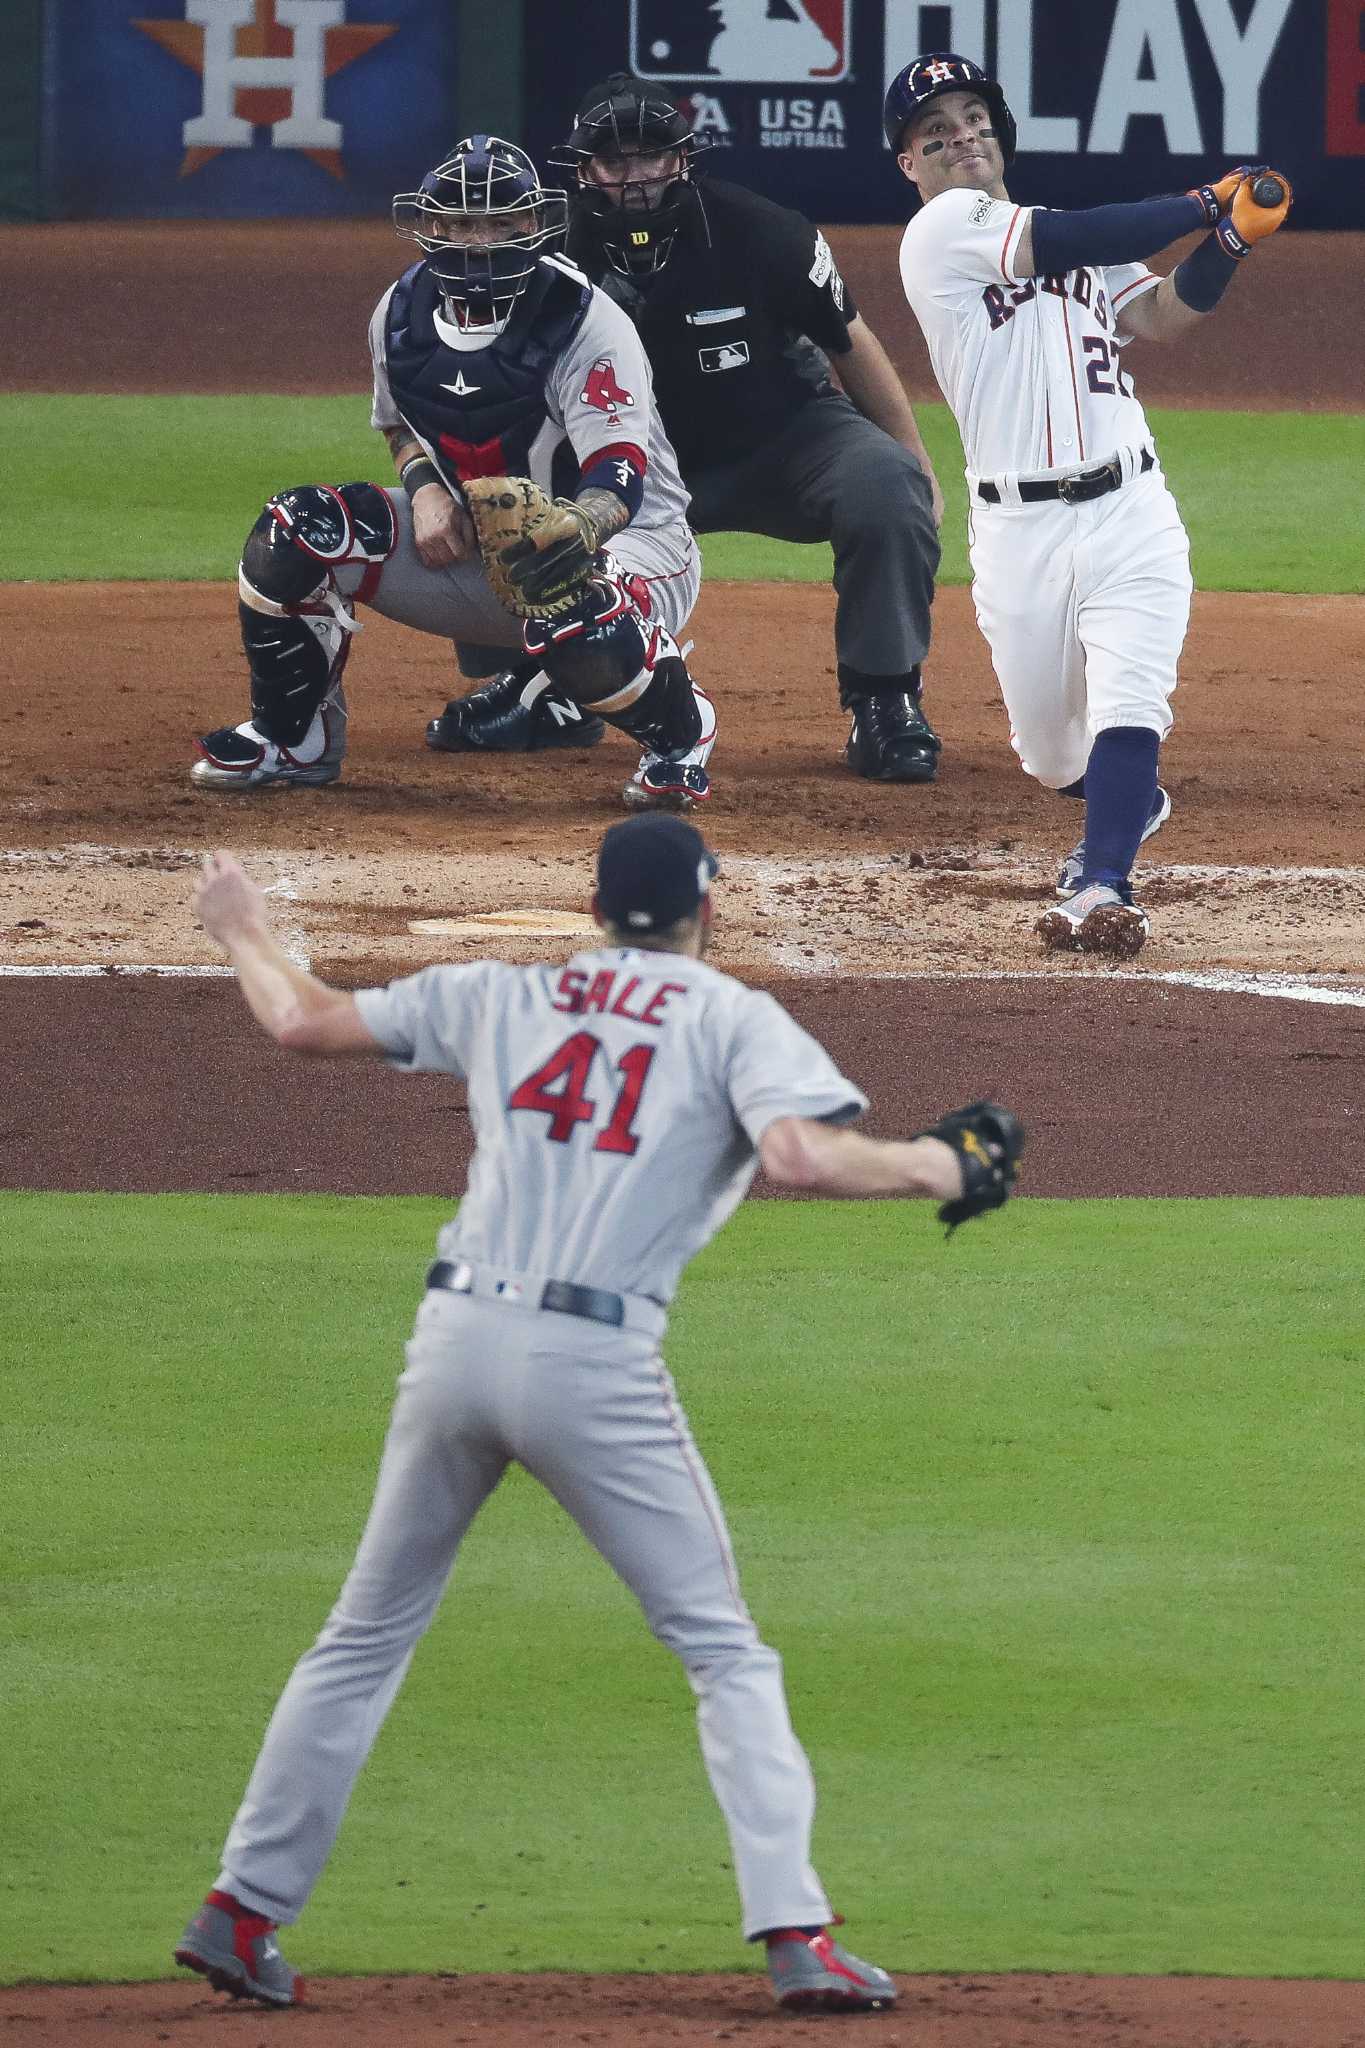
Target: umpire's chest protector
x=479, y=411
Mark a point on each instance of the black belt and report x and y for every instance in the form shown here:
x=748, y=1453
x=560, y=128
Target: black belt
x=562, y=1297
x=1072, y=490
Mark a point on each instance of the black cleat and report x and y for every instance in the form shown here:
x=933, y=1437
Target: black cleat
x=493, y=720
x=891, y=739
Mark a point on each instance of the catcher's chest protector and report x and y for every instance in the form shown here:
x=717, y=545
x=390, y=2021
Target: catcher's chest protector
x=485, y=428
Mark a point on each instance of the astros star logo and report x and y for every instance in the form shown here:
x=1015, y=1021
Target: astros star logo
x=938, y=72
x=264, y=64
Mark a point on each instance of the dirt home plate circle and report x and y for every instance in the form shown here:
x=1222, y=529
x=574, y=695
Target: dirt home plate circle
x=1268, y=192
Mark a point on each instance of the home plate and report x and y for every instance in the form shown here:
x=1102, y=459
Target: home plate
x=531, y=923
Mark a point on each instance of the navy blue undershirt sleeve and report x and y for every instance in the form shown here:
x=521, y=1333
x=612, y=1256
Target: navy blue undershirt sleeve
x=1065, y=241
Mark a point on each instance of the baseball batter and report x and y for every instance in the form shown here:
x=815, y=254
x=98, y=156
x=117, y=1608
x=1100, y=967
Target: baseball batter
x=621, y=1104
x=493, y=358
x=1081, y=563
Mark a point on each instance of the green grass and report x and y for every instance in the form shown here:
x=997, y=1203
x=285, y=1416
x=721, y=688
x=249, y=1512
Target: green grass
x=1056, y=1526
x=164, y=488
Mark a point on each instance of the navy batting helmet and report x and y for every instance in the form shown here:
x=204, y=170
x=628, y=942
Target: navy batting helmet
x=935, y=73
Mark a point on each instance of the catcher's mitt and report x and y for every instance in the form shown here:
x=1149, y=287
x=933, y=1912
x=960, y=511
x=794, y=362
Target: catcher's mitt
x=987, y=1140
x=538, y=552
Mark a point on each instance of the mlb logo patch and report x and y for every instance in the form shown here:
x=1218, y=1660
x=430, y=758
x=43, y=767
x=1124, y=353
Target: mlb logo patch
x=728, y=355
x=806, y=43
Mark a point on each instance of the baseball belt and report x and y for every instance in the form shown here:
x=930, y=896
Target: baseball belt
x=1072, y=490
x=560, y=1297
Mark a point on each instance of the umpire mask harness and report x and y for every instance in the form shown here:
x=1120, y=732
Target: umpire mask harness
x=482, y=219
x=632, y=220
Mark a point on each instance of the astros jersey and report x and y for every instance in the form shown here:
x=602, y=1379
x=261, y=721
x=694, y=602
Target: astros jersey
x=615, y=1102
x=594, y=393
x=1029, y=366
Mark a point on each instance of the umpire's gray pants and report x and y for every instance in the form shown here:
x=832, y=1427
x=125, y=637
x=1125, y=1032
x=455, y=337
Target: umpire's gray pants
x=831, y=475
x=593, y=1414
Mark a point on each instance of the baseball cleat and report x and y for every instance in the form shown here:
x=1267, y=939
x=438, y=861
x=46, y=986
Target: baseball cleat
x=1095, y=920
x=1073, y=867
x=891, y=740
x=497, y=719
x=815, y=1973
x=237, y=1951
x=662, y=785
x=674, y=782
x=240, y=757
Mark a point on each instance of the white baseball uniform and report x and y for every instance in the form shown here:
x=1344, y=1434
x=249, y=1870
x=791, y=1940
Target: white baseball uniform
x=616, y=1104
x=1084, y=606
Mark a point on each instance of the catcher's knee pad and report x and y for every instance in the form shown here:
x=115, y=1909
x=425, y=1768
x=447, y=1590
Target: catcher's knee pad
x=296, y=626
x=305, y=535
x=620, y=667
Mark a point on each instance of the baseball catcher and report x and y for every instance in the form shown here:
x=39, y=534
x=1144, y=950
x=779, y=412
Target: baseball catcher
x=538, y=520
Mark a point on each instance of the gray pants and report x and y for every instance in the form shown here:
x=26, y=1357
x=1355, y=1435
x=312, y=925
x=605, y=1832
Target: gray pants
x=459, y=603
x=592, y=1413
x=832, y=476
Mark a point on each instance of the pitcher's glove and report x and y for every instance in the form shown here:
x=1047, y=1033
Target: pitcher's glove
x=987, y=1140
x=538, y=552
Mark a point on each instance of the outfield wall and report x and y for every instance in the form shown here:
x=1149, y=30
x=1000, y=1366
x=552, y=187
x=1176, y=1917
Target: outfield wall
x=249, y=108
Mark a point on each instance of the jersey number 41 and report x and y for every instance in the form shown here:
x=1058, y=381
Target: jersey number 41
x=558, y=1089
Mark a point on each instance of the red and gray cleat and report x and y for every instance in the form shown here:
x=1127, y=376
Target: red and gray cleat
x=815, y=1973
x=237, y=1951
x=1097, y=919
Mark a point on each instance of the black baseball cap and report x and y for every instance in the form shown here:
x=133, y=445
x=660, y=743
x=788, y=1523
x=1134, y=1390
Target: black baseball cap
x=651, y=871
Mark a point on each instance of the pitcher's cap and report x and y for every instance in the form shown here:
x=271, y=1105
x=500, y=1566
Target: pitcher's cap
x=651, y=871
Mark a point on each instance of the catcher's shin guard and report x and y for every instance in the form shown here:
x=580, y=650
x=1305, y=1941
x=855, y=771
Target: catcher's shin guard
x=622, y=668
x=296, y=626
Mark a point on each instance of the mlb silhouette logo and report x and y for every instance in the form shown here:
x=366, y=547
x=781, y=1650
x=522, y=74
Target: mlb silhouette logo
x=745, y=42
x=728, y=355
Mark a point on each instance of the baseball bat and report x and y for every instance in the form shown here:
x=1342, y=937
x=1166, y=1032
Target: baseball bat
x=1268, y=192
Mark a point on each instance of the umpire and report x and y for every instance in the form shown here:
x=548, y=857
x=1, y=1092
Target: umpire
x=741, y=309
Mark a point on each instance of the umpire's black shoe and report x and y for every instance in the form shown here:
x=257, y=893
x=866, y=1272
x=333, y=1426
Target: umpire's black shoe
x=493, y=720
x=891, y=739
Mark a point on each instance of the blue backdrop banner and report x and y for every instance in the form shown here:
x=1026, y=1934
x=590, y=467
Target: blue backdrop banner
x=1114, y=98
x=245, y=107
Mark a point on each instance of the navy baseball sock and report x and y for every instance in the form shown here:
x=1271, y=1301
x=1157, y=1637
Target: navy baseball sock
x=1120, y=787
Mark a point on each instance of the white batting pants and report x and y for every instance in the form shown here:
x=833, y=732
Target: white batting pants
x=1085, y=610
x=592, y=1413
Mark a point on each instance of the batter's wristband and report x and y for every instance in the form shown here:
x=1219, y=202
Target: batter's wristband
x=1201, y=280
x=418, y=472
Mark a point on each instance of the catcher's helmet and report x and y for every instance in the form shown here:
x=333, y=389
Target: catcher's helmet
x=483, y=268
x=937, y=72
x=624, y=117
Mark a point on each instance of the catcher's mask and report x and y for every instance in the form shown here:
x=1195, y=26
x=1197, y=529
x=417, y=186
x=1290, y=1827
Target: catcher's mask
x=937, y=72
x=632, y=219
x=482, y=219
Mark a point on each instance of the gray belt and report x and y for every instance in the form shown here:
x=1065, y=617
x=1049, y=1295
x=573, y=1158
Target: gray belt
x=560, y=1297
x=1072, y=490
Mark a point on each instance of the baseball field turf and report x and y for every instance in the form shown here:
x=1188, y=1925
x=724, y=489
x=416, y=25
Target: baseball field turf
x=123, y=499
x=1057, y=1527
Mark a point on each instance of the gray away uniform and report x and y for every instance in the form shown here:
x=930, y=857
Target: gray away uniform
x=598, y=392
x=616, y=1105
